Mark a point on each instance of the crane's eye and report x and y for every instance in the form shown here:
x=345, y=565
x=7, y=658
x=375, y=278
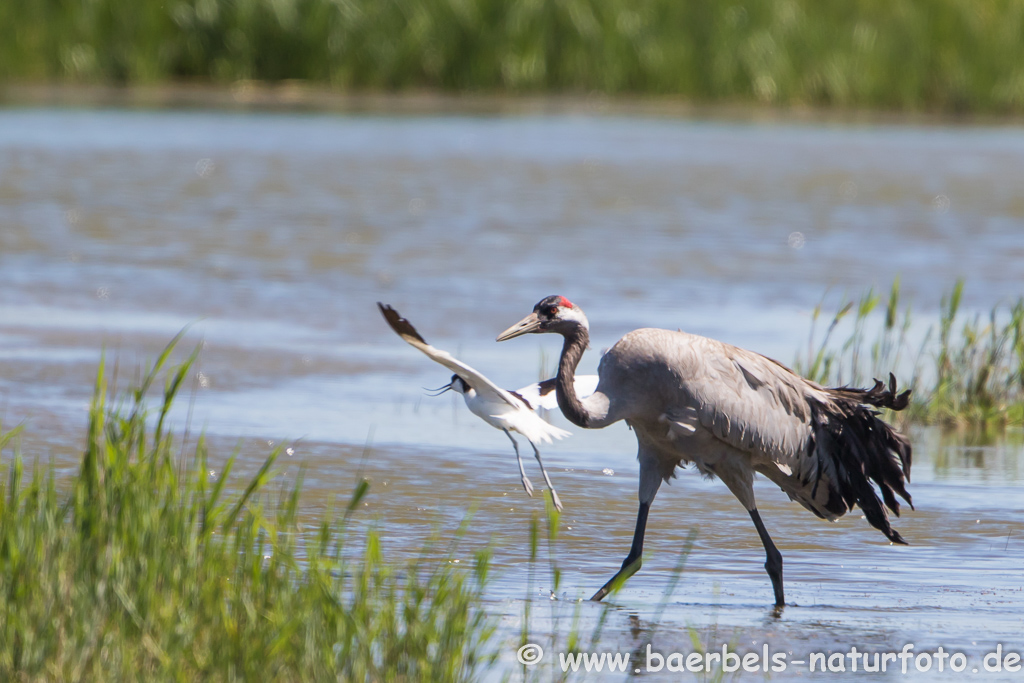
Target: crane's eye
x=551, y=312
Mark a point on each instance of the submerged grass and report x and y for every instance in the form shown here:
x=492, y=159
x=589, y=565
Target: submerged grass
x=143, y=568
x=949, y=55
x=966, y=370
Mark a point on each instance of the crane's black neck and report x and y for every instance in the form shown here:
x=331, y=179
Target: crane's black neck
x=570, y=404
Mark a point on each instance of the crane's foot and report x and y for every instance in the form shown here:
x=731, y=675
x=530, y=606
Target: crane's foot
x=629, y=567
x=555, y=501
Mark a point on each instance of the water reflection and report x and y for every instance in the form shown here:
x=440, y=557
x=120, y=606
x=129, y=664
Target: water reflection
x=981, y=456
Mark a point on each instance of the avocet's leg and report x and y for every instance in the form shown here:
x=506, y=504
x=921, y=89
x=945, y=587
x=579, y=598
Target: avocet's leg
x=522, y=472
x=547, y=479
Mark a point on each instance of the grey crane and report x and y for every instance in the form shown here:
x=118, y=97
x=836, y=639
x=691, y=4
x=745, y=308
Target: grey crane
x=732, y=412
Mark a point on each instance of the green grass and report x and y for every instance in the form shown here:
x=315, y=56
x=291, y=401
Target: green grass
x=966, y=370
x=143, y=568
x=944, y=55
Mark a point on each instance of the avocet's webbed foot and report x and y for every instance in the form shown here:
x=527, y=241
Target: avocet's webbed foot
x=527, y=486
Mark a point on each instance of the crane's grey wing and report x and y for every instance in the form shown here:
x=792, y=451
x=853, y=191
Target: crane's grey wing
x=542, y=394
x=749, y=401
x=483, y=386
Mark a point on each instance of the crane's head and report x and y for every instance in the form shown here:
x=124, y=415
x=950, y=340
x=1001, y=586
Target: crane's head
x=552, y=314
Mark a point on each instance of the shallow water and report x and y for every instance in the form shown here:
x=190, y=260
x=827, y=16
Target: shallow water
x=274, y=235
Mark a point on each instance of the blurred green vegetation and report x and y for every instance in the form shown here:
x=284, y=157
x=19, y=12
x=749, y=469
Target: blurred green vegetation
x=944, y=55
x=145, y=568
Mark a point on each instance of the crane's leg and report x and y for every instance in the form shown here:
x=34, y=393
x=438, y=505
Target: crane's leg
x=522, y=472
x=650, y=481
x=735, y=472
x=547, y=480
x=773, y=565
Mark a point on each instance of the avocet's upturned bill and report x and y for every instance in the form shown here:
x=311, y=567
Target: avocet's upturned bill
x=509, y=411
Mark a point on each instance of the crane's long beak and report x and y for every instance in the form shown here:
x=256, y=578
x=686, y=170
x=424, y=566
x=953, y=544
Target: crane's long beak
x=530, y=323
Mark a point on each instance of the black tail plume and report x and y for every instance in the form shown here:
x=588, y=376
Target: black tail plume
x=877, y=396
x=866, y=450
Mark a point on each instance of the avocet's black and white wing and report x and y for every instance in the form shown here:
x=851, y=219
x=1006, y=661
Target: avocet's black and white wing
x=542, y=394
x=483, y=386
